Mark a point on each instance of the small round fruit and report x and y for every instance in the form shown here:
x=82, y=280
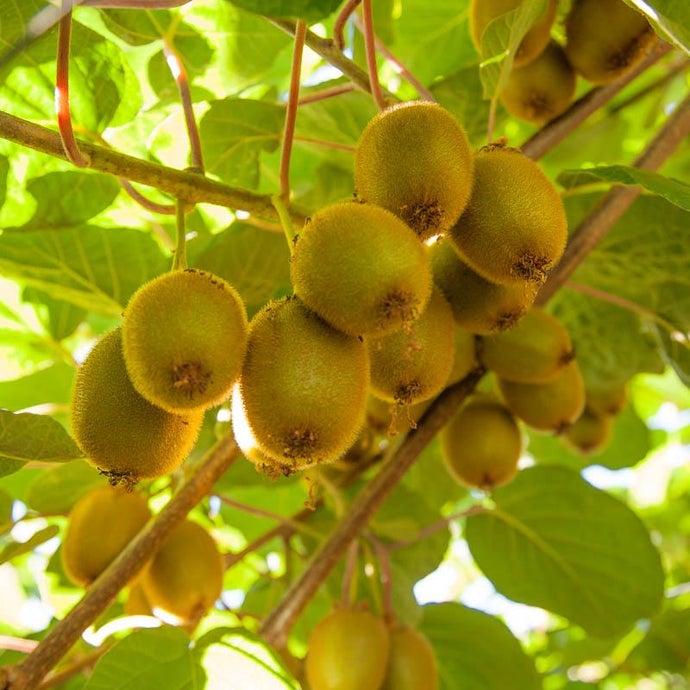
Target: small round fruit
x=533, y=43
x=481, y=444
x=514, y=228
x=361, y=269
x=532, y=351
x=100, y=526
x=551, y=406
x=122, y=434
x=541, y=90
x=413, y=365
x=411, y=662
x=464, y=355
x=606, y=38
x=304, y=386
x=589, y=433
x=479, y=306
x=414, y=159
x=607, y=401
x=184, y=336
x=136, y=603
x=347, y=650
x=185, y=576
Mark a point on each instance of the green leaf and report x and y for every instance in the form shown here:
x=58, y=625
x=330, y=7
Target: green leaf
x=66, y=199
x=60, y=319
x=675, y=191
x=25, y=437
x=554, y=541
x=157, y=658
x=15, y=548
x=6, y=503
x=309, y=10
x=50, y=385
x=666, y=647
x=57, y=489
x=4, y=170
x=500, y=42
x=94, y=268
x=233, y=133
x=235, y=653
x=476, y=651
x=670, y=17
x=140, y=27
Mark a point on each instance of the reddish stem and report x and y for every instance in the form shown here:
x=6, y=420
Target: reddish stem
x=326, y=93
x=370, y=45
x=340, y=21
x=146, y=203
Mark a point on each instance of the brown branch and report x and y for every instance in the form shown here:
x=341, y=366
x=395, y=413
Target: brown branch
x=63, y=675
x=281, y=619
x=98, y=596
x=617, y=201
x=557, y=130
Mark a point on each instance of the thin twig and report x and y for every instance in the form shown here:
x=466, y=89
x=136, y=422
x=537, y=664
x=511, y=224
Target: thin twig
x=386, y=578
x=144, y=202
x=339, y=25
x=370, y=48
x=347, y=595
x=326, y=93
x=17, y=644
x=63, y=675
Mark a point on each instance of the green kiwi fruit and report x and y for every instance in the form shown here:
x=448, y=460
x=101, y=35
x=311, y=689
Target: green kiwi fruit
x=589, y=433
x=414, y=364
x=184, y=336
x=414, y=159
x=347, y=650
x=533, y=350
x=533, y=43
x=136, y=603
x=304, y=386
x=122, y=434
x=100, y=525
x=606, y=401
x=185, y=577
x=361, y=269
x=514, y=228
x=464, y=355
x=481, y=443
x=542, y=89
x=606, y=38
x=411, y=661
x=551, y=406
x=479, y=306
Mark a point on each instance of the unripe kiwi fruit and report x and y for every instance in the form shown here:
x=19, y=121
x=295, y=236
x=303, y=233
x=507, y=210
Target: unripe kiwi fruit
x=551, y=406
x=413, y=364
x=361, y=269
x=464, y=355
x=184, y=336
x=606, y=401
x=137, y=603
x=411, y=662
x=100, y=525
x=606, y=38
x=479, y=306
x=589, y=433
x=514, y=228
x=304, y=386
x=481, y=443
x=347, y=650
x=414, y=159
x=123, y=435
x=534, y=41
x=185, y=576
x=532, y=351
x=542, y=89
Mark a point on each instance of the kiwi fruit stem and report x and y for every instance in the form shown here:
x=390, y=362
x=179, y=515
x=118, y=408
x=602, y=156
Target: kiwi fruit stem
x=285, y=220
x=180, y=258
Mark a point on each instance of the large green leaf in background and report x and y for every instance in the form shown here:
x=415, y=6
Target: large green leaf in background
x=671, y=17
x=58, y=488
x=476, y=651
x=554, y=541
x=309, y=10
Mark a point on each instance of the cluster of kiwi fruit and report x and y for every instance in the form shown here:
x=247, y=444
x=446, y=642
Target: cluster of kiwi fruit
x=353, y=649
x=139, y=398
x=182, y=580
x=603, y=40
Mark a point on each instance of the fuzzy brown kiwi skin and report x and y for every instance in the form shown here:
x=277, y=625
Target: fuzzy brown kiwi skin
x=590, y=433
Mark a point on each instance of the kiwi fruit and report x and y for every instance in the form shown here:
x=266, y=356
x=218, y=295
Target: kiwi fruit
x=136, y=603
x=411, y=661
x=361, y=269
x=542, y=89
x=185, y=577
x=603, y=401
x=414, y=364
x=479, y=306
x=514, y=228
x=481, y=443
x=99, y=527
x=551, y=406
x=414, y=159
x=534, y=41
x=464, y=355
x=304, y=386
x=606, y=38
x=184, y=336
x=589, y=433
x=347, y=650
x=122, y=434
x=533, y=350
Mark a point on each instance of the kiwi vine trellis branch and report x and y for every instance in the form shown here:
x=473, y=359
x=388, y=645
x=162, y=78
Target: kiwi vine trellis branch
x=194, y=188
